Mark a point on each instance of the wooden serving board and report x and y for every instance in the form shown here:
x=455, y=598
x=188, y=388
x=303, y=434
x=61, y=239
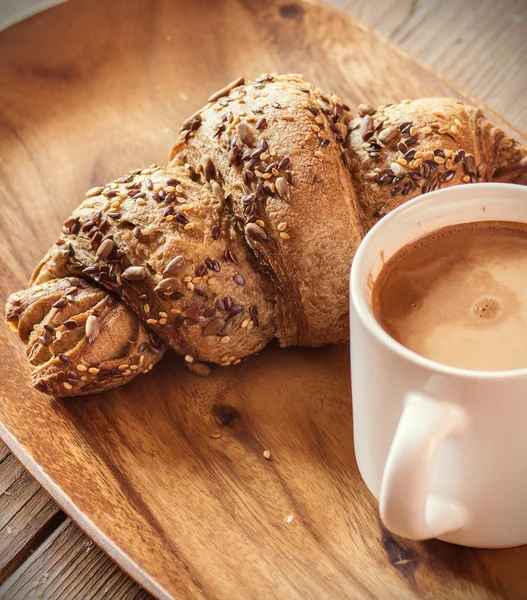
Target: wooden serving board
x=89, y=90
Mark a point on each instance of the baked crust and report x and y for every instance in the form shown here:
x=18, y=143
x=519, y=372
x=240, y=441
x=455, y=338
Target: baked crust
x=248, y=234
x=80, y=338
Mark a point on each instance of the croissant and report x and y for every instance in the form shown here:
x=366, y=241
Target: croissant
x=247, y=234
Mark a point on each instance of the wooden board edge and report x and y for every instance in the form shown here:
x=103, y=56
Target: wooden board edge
x=82, y=520
x=62, y=499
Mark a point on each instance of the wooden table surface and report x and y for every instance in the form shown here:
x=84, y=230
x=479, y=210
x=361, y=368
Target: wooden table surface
x=480, y=44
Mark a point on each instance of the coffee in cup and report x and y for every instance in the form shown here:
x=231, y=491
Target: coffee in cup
x=458, y=295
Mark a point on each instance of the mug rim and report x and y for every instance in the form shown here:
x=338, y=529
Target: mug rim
x=362, y=306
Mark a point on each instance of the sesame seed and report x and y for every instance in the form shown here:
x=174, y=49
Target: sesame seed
x=426, y=130
x=211, y=280
x=237, y=361
x=225, y=340
x=215, y=435
x=187, y=278
x=152, y=321
x=224, y=358
x=170, y=218
x=123, y=367
x=189, y=226
x=175, y=311
x=81, y=368
x=260, y=222
x=189, y=358
x=284, y=235
x=289, y=518
x=163, y=314
x=458, y=122
x=439, y=160
x=190, y=286
x=267, y=454
x=196, y=279
x=454, y=129
x=67, y=385
x=146, y=308
x=163, y=321
x=245, y=322
x=133, y=367
x=319, y=154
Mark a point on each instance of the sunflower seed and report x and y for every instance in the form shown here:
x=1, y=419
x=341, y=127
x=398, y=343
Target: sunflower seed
x=191, y=123
x=209, y=170
x=255, y=232
x=227, y=89
x=218, y=191
x=105, y=249
x=389, y=135
x=366, y=128
x=200, y=369
x=366, y=109
x=134, y=273
x=175, y=265
x=95, y=191
x=92, y=328
x=168, y=286
x=282, y=187
x=245, y=133
x=346, y=157
x=214, y=326
x=470, y=164
x=397, y=169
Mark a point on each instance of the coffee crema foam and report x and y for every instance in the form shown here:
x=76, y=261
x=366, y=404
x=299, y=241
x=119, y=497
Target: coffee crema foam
x=458, y=295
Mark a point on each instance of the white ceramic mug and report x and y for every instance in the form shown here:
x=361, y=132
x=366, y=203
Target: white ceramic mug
x=443, y=449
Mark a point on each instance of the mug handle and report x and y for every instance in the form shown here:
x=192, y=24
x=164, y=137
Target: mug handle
x=407, y=509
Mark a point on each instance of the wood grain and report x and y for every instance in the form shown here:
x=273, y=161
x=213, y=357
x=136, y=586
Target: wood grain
x=480, y=44
x=101, y=88
x=27, y=514
x=68, y=565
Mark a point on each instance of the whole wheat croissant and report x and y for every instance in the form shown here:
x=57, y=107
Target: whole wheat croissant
x=247, y=235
